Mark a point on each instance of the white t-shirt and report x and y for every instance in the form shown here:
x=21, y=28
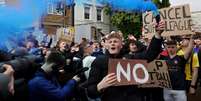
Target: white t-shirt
x=87, y=61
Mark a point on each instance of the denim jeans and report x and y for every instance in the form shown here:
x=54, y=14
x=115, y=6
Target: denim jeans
x=174, y=95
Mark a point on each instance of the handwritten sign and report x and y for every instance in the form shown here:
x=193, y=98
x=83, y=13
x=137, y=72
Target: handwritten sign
x=177, y=21
x=66, y=34
x=139, y=72
x=196, y=17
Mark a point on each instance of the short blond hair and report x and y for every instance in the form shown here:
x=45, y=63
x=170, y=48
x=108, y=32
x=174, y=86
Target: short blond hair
x=115, y=35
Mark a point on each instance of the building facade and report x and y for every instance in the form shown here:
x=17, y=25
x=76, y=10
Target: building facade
x=90, y=20
x=58, y=15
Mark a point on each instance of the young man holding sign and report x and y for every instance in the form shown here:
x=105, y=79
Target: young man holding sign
x=101, y=84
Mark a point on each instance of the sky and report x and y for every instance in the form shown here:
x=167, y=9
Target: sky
x=194, y=4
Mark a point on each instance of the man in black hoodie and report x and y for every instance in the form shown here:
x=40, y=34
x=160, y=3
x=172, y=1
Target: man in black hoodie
x=101, y=84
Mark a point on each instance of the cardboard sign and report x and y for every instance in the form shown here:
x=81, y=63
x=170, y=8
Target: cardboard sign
x=196, y=17
x=177, y=21
x=159, y=75
x=139, y=72
x=66, y=34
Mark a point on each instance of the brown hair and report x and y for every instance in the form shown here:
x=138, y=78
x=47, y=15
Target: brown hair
x=55, y=57
x=58, y=42
x=171, y=42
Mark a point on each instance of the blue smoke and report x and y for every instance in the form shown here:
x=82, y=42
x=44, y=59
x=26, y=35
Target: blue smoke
x=22, y=16
x=131, y=5
x=138, y=6
x=69, y=2
x=15, y=20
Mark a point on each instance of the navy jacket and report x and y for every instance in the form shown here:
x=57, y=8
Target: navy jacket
x=44, y=87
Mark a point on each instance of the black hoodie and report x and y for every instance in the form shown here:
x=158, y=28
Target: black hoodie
x=121, y=93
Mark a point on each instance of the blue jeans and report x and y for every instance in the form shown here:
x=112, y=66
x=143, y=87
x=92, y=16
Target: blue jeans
x=174, y=95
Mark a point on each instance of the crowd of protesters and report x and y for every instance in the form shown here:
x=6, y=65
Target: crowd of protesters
x=79, y=71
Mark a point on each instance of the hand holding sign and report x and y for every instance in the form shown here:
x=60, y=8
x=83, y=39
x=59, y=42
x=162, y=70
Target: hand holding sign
x=139, y=72
x=177, y=21
x=160, y=27
x=109, y=80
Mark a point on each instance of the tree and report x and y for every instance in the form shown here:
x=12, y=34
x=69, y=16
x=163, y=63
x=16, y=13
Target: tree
x=127, y=23
x=131, y=23
x=165, y=3
x=162, y=4
x=157, y=2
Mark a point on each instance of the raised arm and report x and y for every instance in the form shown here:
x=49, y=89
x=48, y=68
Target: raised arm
x=189, y=49
x=155, y=48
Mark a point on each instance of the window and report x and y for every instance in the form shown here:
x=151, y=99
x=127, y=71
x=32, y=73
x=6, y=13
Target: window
x=50, y=9
x=99, y=14
x=93, y=33
x=59, y=8
x=86, y=12
x=54, y=8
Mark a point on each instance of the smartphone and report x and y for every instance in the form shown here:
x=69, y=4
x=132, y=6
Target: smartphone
x=158, y=18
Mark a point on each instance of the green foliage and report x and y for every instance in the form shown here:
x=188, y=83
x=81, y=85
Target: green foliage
x=158, y=3
x=165, y=3
x=127, y=23
x=162, y=4
x=130, y=23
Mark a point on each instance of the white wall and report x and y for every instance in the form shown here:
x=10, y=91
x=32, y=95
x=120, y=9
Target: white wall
x=83, y=26
x=82, y=31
